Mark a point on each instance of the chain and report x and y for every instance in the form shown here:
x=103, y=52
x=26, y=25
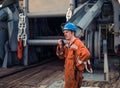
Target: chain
x=68, y=14
x=22, y=28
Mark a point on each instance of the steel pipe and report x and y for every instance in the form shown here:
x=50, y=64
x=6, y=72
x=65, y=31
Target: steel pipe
x=106, y=65
x=43, y=42
x=45, y=14
x=96, y=37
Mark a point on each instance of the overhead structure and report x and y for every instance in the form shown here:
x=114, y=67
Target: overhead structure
x=82, y=18
x=88, y=12
x=57, y=8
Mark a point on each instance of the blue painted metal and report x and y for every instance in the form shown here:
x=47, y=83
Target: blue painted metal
x=9, y=34
x=85, y=15
x=3, y=39
x=3, y=13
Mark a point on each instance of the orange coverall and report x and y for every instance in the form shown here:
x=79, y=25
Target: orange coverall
x=76, y=50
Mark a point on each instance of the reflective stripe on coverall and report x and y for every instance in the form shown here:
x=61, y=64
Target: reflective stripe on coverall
x=71, y=53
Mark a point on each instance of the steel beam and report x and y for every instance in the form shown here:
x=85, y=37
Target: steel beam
x=90, y=15
x=85, y=15
x=78, y=13
x=116, y=9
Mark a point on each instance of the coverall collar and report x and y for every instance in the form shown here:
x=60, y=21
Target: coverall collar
x=70, y=43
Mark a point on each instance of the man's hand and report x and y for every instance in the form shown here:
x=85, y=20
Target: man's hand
x=60, y=43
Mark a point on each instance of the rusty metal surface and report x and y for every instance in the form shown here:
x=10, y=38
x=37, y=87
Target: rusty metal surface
x=51, y=75
x=34, y=77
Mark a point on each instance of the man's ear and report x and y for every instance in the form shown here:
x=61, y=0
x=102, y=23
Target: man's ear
x=73, y=32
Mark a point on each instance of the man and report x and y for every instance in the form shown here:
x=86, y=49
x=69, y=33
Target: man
x=75, y=54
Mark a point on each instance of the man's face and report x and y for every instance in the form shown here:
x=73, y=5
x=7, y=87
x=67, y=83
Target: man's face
x=68, y=34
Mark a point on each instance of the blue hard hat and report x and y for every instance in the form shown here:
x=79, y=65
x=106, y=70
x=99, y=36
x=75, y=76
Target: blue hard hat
x=70, y=26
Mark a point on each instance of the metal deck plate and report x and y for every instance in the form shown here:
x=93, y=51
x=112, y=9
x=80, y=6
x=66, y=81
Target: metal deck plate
x=60, y=84
x=57, y=84
x=94, y=76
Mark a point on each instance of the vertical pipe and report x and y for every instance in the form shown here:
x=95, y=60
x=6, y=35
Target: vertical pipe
x=25, y=58
x=96, y=44
x=92, y=46
x=106, y=70
x=91, y=42
x=99, y=42
x=86, y=38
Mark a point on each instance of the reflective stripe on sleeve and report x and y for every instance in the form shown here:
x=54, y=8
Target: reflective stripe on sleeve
x=59, y=54
x=79, y=61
